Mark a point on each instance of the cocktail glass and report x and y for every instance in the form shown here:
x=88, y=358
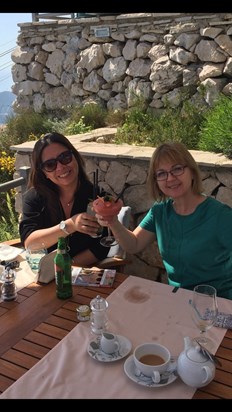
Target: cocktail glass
x=91, y=212
x=107, y=206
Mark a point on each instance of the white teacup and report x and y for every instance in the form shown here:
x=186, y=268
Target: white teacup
x=152, y=359
x=109, y=342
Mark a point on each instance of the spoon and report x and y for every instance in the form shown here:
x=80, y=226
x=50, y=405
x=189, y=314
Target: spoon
x=208, y=354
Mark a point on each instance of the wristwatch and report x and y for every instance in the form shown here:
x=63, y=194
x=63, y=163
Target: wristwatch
x=62, y=226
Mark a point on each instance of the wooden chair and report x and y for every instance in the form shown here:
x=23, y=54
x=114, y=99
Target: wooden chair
x=13, y=242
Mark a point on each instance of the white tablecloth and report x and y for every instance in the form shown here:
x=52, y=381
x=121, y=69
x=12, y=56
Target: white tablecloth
x=142, y=311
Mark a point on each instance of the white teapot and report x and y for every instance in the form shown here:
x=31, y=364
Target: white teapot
x=193, y=367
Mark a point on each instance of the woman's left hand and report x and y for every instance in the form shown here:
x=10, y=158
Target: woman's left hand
x=85, y=223
x=106, y=222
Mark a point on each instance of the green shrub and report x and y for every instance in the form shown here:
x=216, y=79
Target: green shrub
x=9, y=227
x=216, y=129
x=92, y=115
x=20, y=126
x=115, y=118
x=28, y=125
x=150, y=128
x=77, y=127
x=7, y=167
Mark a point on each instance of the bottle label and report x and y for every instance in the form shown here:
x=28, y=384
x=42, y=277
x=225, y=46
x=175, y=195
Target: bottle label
x=59, y=277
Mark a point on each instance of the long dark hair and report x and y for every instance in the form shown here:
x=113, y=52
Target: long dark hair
x=37, y=179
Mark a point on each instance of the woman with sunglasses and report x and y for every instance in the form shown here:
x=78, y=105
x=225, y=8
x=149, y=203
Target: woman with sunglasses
x=56, y=201
x=193, y=231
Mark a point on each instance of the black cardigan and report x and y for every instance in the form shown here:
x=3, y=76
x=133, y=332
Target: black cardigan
x=36, y=216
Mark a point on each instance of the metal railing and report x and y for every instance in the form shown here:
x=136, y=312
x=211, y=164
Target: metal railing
x=63, y=16
x=52, y=16
x=21, y=181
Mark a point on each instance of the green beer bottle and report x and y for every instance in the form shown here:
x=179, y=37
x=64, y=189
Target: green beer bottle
x=62, y=262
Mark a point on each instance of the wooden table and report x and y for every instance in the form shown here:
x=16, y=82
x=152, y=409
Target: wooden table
x=34, y=323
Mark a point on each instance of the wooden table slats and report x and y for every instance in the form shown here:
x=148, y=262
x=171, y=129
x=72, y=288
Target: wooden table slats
x=51, y=330
x=5, y=383
x=44, y=340
x=216, y=388
x=67, y=314
x=37, y=351
x=11, y=370
x=20, y=358
x=224, y=352
x=61, y=322
x=226, y=364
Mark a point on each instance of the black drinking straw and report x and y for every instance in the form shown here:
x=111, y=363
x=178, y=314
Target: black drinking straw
x=94, y=186
x=121, y=193
x=96, y=182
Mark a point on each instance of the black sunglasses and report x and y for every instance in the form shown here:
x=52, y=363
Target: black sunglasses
x=51, y=164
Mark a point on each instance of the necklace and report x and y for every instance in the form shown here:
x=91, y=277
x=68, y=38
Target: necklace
x=70, y=202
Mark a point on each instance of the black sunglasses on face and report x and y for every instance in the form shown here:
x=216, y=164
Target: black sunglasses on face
x=51, y=164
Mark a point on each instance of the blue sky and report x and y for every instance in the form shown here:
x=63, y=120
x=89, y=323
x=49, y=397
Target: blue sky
x=8, y=36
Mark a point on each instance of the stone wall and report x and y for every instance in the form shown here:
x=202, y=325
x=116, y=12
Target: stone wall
x=164, y=57
x=118, y=164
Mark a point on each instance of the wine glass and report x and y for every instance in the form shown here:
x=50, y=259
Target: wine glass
x=91, y=212
x=204, y=311
x=108, y=240
x=107, y=207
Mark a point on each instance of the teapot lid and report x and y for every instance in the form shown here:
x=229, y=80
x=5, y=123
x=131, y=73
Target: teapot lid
x=195, y=354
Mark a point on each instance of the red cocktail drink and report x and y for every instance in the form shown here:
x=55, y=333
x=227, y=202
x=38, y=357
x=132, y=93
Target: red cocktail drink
x=106, y=206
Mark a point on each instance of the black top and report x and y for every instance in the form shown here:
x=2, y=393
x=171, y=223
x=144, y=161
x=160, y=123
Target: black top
x=36, y=215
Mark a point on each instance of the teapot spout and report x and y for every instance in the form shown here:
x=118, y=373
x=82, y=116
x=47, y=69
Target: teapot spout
x=187, y=343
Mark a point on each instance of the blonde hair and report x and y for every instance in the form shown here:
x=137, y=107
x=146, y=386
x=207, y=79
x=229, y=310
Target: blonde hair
x=177, y=153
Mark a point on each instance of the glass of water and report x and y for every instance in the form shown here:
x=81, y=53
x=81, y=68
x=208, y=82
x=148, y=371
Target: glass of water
x=34, y=254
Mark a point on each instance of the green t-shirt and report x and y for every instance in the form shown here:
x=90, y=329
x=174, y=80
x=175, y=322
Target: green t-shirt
x=196, y=248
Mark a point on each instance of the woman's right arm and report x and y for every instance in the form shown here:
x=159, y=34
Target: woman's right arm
x=131, y=242
x=35, y=226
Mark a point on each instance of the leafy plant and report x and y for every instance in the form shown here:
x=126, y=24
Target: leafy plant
x=149, y=128
x=77, y=128
x=93, y=115
x=7, y=167
x=216, y=129
x=9, y=227
x=115, y=118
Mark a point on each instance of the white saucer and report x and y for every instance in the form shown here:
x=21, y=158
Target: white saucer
x=8, y=252
x=129, y=368
x=96, y=353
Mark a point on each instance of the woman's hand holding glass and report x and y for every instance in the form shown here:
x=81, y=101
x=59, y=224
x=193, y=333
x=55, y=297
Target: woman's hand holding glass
x=86, y=223
x=91, y=212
